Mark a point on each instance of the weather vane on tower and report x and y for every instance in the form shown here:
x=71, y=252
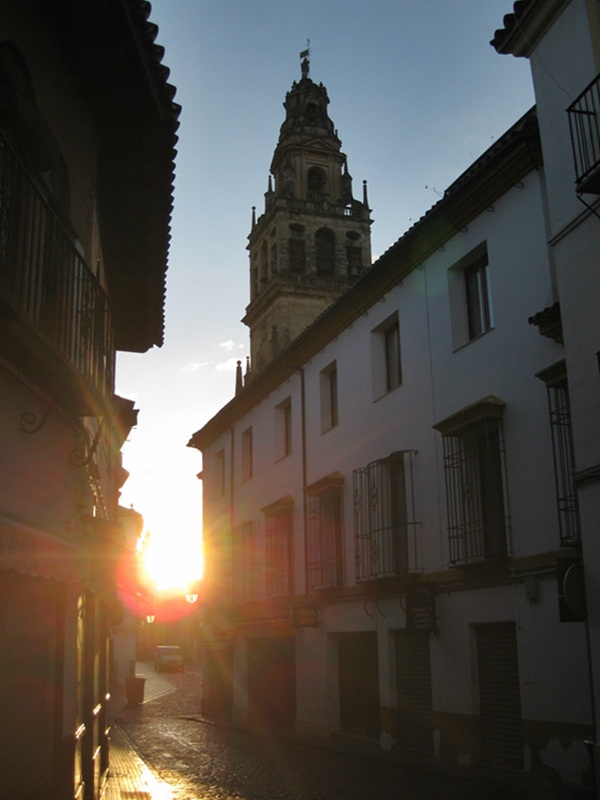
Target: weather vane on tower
x=305, y=63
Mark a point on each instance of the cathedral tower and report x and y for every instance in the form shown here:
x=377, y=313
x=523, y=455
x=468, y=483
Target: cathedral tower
x=313, y=239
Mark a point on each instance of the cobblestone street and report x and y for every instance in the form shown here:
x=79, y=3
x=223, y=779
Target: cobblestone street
x=195, y=759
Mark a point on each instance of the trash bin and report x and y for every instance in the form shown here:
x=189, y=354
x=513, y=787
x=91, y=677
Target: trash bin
x=135, y=689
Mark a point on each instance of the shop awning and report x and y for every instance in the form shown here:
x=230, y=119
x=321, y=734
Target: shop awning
x=35, y=552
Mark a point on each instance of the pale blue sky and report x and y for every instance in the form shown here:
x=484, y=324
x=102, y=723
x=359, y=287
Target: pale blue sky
x=417, y=93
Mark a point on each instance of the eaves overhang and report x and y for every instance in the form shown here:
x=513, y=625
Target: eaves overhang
x=499, y=169
x=525, y=26
x=112, y=52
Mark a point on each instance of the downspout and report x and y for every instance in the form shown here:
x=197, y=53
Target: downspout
x=304, y=468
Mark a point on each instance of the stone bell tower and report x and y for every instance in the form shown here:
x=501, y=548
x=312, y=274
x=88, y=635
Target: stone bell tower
x=314, y=239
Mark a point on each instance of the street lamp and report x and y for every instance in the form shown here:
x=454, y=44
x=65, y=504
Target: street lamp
x=192, y=593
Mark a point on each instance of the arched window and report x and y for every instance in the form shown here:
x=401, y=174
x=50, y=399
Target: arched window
x=325, y=251
x=274, y=258
x=354, y=261
x=297, y=256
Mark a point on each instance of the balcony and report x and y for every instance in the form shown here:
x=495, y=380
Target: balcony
x=584, y=124
x=55, y=319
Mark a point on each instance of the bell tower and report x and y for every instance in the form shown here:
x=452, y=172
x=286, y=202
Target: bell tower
x=314, y=239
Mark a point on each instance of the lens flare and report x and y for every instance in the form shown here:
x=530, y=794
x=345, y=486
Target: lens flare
x=171, y=564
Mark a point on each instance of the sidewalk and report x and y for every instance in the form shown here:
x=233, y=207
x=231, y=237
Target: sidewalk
x=129, y=777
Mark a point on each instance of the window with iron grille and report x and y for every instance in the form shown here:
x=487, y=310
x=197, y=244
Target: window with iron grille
x=555, y=379
x=324, y=516
x=244, y=562
x=478, y=521
x=383, y=514
x=278, y=541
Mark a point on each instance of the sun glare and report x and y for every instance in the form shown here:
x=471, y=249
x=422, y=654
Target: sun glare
x=171, y=564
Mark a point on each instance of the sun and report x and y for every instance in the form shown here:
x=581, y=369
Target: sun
x=171, y=564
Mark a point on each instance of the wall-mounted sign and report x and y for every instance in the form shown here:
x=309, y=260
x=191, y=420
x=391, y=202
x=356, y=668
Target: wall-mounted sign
x=420, y=608
x=306, y=616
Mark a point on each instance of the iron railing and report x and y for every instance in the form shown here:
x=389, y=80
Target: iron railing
x=475, y=470
x=279, y=557
x=584, y=124
x=316, y=205
x=564, y=459
x=245, y=562
x=385, y=524
x=324, y=540
x=45, y=281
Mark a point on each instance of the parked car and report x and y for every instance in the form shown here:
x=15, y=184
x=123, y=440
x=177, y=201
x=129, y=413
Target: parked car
x=168, y=657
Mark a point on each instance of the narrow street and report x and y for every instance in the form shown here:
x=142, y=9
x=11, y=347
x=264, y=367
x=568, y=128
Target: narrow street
x=195, y=759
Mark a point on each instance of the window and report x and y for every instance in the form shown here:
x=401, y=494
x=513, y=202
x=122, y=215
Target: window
x=470, y=297
x=479, y=316
x=354, y=261
x=274, y=257
x=555, y=379
x=325, y=251
x=392, y=356
x=382, y=516
x=329, y=398
x=297, y=255
x=264, y=262
x=312, y=117
x=478, y=521
x=283, y=429
x=385, y=356
x=247, y=455
x=317, y=181
x=278, y=542
x=254, y=281
x=324, y=507
x=219, y=474
x=244, y=562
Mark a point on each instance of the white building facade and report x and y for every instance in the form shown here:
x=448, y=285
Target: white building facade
x=388, y=505
x=562, y=42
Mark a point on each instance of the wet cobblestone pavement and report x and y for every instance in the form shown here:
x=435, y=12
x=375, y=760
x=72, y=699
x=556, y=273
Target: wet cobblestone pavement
x=200, y=760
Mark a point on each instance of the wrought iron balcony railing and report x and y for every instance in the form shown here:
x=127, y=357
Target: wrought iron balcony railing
x=45, y=282
x=584, y=124
x=385, y=523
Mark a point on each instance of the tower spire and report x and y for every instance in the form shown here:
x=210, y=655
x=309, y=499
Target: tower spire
x=313, y=240
x=304, y=55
